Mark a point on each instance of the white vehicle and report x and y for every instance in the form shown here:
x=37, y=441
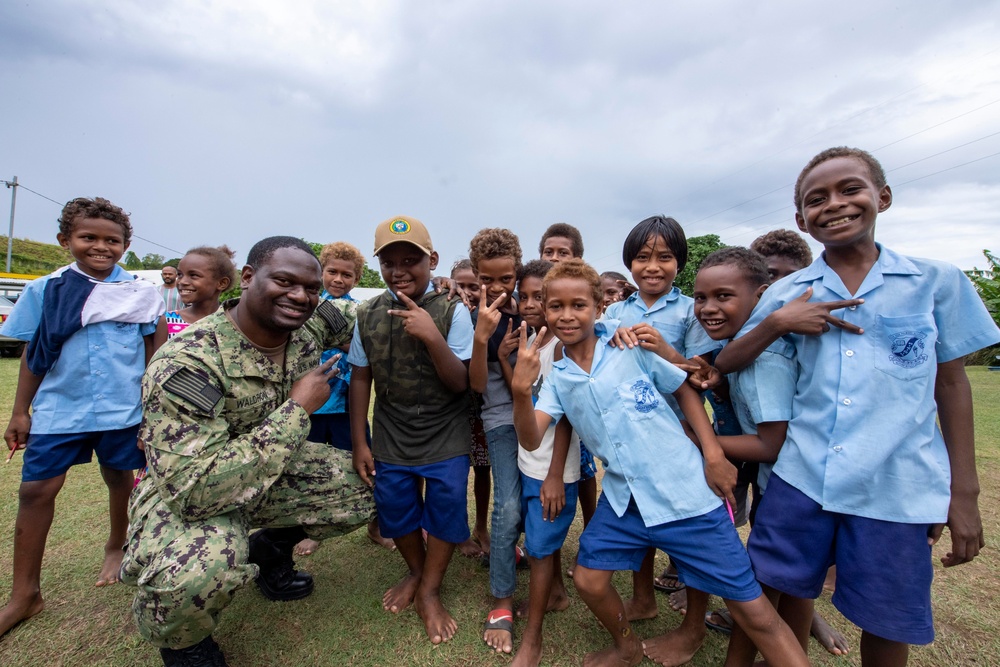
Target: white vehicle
x=9, y=347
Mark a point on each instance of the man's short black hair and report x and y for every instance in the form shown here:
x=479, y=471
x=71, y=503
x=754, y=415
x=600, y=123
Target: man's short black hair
x=263, y=249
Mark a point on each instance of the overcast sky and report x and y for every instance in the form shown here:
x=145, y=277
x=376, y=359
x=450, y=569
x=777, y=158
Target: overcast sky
x=224, y=121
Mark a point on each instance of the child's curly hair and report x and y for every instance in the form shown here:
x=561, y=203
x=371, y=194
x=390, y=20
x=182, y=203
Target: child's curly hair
x=875, y=170
x=98, y=207
x=576, y=268
x=494, y=242
x=748, y=262
x=784, y=243
x=536, y=268
x=345, y=251
x=221, y=260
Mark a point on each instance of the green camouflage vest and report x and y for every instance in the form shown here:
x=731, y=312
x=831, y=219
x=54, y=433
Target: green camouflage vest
x=417, y=419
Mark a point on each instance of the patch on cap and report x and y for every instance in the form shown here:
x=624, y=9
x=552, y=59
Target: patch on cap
x=399, y=226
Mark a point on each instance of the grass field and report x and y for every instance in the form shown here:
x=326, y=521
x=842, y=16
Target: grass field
x=343, y=623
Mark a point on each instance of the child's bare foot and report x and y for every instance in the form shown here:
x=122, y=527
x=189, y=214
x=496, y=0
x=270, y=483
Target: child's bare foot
x=529, y=653
x=828, y=636
x=376, y=536
x=483, y=538
x=640, y=610
x=306, y=547
x=109, y=569
x=400, y=596
x=679, y=601
x=498, y=631
x=20, y=610
x=673, y=648
x=558, y=601
x=470, y=549
x=612, y=657
x=438, y=623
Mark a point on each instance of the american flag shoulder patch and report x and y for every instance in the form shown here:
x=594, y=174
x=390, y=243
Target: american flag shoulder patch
x=193, y=388
x=332, y=316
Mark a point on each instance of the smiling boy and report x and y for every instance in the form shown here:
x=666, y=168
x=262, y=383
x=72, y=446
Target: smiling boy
x=90, y=328
x=866, y=478
x=414, y=345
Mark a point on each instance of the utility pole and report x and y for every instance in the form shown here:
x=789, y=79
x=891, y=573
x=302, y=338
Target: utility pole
x=10, y=232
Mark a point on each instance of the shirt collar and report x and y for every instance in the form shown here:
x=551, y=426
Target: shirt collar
x=605, y=330
x=672, y=295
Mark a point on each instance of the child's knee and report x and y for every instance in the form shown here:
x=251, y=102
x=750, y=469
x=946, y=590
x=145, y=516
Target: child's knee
x=587, y=581
x=117, y=478
x=39, y=492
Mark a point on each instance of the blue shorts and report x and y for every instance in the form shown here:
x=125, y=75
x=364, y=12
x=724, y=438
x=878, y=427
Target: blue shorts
x=50, y=455
x=443, y=510
x=884, y=569
x=543, y=538
x=588, y=467
x=706, y=549
x=334, y=428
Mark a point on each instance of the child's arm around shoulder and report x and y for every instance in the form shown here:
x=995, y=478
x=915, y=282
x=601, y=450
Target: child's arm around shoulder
x=417, y=322
x=798, y=316
x=953, y=394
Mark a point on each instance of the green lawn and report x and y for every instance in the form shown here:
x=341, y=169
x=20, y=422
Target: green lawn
x=343, y=621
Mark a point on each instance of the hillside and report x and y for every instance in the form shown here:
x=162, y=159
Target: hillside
x=32, y=257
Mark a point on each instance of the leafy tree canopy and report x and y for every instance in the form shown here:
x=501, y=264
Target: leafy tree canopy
x=699, y=247
x=152, y=260
x=132, y=262
x=987, y=282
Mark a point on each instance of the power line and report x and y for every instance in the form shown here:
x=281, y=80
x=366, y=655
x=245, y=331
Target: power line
x=134, y=235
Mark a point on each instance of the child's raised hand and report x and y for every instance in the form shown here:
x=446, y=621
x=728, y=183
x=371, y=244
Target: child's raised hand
x=651, y=339
x=528, y=363
x=553, y=497
x=701, y=374
x=510, y=341
x=812, y=318
x=623, y=336
x=442, y=283
x=416, y=321
x=489, y=316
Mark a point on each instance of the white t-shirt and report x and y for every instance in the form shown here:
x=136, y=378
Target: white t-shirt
x=535, y=464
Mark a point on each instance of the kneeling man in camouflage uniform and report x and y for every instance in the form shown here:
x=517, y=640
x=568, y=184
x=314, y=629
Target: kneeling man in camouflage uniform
x=226, y=414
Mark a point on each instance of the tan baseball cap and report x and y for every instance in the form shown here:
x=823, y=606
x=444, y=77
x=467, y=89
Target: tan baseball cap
x=402, y=228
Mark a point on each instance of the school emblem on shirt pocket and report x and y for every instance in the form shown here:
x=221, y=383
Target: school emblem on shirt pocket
x=903, y=345
x=907, y=348
x=646, y=399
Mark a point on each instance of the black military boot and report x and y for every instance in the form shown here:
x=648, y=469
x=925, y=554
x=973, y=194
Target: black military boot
x=271, y=550
x=205, y=653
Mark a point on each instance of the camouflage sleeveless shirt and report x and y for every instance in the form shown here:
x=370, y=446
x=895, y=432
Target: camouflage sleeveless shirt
x=417, y=419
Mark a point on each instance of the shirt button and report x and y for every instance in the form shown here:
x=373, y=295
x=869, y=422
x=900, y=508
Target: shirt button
x=631, y=479
x=847, y=401
x=837, y=448
x=592, y=379
x=100, y=396
x=604, y=412
x=850, y=353
x=722, y=422
x=97, y=372
x=852, y=307
x=97, y=347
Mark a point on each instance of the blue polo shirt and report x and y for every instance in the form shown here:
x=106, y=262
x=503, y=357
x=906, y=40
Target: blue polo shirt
x=94, y=384
x=620, y=412
x=763, y=392
x=863, y=439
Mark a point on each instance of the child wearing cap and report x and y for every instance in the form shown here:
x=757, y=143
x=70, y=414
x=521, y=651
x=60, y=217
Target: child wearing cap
x=415, y=345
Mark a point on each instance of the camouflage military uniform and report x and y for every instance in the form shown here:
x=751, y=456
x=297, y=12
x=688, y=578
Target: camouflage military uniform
x=227, y=452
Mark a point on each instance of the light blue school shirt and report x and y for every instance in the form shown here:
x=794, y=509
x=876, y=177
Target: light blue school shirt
x=619, y=410
x=673, y=316
x=94, y=385
x=863, y=439
x=459, y=336
x=763, y=392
